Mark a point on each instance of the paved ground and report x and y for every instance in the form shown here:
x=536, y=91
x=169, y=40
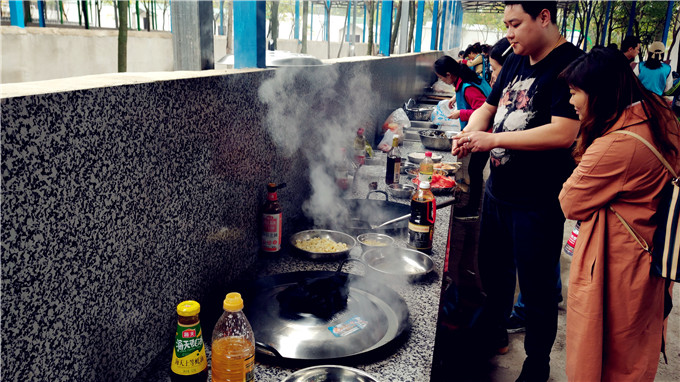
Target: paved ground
x=458, y=359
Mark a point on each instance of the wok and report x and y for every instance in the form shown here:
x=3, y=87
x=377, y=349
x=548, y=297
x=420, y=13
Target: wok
x=365, y=213
x=303, y=338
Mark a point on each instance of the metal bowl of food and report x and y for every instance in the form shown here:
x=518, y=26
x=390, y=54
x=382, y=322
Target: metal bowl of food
x=448, y=168
x=329, y=373
x=371, y=240
x=401, y=191
x=398, y=262
x=435, y=140
x=405, y=166
x=322, y=244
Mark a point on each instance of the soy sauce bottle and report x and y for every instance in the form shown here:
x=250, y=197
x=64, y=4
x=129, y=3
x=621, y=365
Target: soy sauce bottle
x=421, y=222
x=189, y=363
x=393, y=162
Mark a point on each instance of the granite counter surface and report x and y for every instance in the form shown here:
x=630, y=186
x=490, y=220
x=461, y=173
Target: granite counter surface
x=412, y=360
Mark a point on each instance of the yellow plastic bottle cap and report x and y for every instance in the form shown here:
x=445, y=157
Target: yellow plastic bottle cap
x=233, y=302
x=188, y=308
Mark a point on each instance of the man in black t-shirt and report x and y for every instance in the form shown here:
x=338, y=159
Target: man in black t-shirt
x=522, y=224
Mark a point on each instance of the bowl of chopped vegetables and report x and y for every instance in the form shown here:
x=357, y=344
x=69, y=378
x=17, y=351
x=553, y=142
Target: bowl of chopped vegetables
x=322, y=244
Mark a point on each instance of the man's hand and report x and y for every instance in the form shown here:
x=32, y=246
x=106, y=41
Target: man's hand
x=475, y=141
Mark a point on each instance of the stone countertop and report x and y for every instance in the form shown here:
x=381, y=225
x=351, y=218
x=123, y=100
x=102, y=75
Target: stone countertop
x=412, y=361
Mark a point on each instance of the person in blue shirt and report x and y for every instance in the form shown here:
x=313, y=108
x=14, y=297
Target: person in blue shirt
x=654, y=74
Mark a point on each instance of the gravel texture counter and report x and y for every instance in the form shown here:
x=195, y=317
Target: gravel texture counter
x=412, y=361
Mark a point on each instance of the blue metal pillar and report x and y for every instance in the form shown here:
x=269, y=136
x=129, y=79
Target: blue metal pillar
x=349, y=20
x=249, y=34
x=433, y=39
x=443, y=25
x=41, y=12
x=419, y=24
x=16, y=13
x=363, y=34
x=564, y=22
x=573, y=24
x=606, y=21
x=297, y=20
x=385, y=27
x=327, y=23
x=451, y=24
x=631, y=19
x=220, y=30
x=669, y=15
x=458, y=41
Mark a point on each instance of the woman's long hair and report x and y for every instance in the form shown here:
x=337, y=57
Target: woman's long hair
x=498, y=49
x=446, y=64
x=606, y=77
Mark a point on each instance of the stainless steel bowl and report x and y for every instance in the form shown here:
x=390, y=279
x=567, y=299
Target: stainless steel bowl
x=329, y=373
x=336, y=236
x=374, y=240
x=419, y=113
x=402, y=191
x=435, y=139
x=398, y=262
x=419, y=156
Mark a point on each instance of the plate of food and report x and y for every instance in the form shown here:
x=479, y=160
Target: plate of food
x=449, y=168
x=440, y=184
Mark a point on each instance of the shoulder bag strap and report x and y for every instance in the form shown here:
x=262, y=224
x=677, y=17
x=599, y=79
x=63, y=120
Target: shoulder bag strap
x=636, y=236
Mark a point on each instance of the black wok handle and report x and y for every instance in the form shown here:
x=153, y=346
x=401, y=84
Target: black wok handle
x=446, y=203
x=349, y=259
x=387, y=198
x=268, y=349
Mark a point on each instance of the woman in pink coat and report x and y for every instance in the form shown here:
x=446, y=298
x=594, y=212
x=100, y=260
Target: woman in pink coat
x=614, y=306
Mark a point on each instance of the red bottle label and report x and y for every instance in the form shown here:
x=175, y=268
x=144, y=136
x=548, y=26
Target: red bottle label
x=271, y=232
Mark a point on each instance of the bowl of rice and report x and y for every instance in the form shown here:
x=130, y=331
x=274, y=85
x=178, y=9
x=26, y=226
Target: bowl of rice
x=322, y=244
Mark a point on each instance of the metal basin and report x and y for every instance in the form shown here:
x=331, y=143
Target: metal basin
x=329, y=373
x=398, y=262
x=435, y=140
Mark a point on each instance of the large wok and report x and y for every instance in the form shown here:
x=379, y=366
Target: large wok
x=366, y=212
x=307, y=339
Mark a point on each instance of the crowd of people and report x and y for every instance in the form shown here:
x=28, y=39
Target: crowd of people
x=545, y=114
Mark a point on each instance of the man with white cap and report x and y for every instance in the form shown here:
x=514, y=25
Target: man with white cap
x=654, y=74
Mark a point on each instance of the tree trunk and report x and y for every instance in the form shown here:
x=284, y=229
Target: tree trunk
x=274, y=23
x=370, y=9
x=327, y=6
x=395, y=28
x=305, y=15
x=85, y=15
x=122, y=35
x=412, y=23
x=230, y=27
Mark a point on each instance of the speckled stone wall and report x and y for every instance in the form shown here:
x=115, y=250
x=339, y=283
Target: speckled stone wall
x=119, y=202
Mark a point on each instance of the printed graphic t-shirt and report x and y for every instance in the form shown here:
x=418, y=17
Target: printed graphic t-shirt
x=527, y=96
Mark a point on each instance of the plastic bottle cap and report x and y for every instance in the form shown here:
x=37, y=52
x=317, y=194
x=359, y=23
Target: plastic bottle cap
x=188, y=308
x=424, y=184
x=428, y=153
x=360, y=131
x=395, y=136
x=233, y=302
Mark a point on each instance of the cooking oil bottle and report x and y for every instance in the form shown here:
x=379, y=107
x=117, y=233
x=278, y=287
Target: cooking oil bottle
x=189, y=363
x=426, y=168
x=421, y=222
x=233, y=344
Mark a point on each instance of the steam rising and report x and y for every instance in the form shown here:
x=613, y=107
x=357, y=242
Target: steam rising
x=314, y=111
